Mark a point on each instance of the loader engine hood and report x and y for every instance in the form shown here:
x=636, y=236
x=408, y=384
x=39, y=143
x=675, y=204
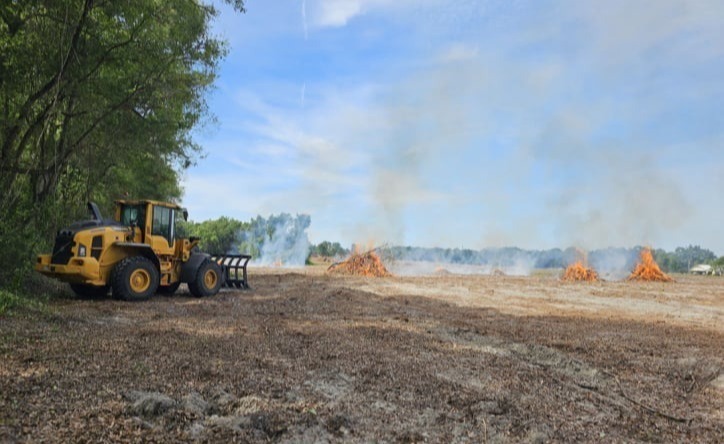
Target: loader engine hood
x=65, y=239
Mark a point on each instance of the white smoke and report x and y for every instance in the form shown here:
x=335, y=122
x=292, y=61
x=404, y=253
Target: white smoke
x=532, y=138
x=414, y=261
x=613, y=264
x=277, y=241
x=414, y=268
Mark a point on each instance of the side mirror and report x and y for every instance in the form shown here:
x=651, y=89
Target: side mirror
x=186, y=214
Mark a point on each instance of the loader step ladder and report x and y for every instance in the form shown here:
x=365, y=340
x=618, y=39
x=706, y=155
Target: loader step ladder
x=233, y=267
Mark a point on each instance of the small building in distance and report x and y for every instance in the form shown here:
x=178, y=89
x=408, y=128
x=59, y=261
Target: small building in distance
x=702, y=269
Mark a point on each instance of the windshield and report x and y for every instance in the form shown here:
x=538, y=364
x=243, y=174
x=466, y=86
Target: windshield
x=133, y=215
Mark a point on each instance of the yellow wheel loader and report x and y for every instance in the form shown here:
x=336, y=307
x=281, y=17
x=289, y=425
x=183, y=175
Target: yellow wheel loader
x=136, y=254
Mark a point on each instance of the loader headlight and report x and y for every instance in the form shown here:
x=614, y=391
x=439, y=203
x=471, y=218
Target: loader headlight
x=81, y=251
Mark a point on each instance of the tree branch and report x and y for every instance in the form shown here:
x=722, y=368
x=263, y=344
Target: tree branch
x=26, y=109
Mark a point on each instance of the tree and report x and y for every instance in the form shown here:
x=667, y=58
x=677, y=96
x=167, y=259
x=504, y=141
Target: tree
x=329, y=249
x=718, y=265
x=97, y=99
x=683, y=258
x=692, y=255
x=217, y=236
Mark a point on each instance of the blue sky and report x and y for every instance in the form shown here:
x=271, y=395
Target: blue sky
x=471, y=123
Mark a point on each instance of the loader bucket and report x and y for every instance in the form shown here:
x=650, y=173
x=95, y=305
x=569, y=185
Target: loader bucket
x=233, y=267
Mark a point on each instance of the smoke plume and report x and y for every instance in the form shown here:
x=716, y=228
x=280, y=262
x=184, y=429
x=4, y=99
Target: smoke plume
x=277, y=241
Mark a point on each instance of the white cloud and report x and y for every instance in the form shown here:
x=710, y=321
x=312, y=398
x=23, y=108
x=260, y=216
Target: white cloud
x=624, y=30
x=458, y=52
x=207, y=196
x=338, y=12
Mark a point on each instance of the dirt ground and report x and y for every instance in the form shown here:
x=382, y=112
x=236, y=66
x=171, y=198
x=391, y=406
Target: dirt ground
x=307, y=357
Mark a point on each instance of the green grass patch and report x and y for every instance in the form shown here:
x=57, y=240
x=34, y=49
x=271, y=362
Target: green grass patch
x=11, y=301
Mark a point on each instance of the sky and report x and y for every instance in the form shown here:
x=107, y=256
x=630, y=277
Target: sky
x=471, y=123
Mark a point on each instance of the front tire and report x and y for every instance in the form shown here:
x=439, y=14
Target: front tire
x=135, y=279
x=208, y=280
x=85, y=291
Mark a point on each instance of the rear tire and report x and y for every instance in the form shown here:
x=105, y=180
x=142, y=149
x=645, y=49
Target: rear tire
x=168, y=290
x=85, y=291
x=208, y=280
x=135, y=279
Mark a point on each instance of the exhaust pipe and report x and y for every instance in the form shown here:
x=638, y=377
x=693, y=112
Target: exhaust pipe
x=94, y=211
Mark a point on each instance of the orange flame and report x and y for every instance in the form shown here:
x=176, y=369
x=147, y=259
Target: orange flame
x=578, y=272
x=648, y=270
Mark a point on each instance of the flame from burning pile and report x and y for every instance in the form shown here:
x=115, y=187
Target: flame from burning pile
x=361, y=264
x=648, y=270
x=579, y=271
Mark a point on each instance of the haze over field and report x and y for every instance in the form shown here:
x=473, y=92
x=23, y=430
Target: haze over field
x=472, y=123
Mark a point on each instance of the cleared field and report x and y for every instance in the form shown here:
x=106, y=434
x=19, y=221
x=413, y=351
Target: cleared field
x=307, y=357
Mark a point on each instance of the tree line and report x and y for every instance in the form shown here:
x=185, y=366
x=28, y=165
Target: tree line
x=230, y=235
x=278, y=238
x=678, y=261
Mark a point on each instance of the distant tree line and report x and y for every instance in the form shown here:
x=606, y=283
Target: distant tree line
x=679, y=261
x=215, y=236
x=280, y=237
x=228, y=235
x=682, y=259
x=329, y=249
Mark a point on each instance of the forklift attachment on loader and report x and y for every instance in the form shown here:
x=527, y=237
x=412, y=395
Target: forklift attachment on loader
x=233, y=268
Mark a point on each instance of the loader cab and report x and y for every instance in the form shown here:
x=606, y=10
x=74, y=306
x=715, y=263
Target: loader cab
x=153, y=223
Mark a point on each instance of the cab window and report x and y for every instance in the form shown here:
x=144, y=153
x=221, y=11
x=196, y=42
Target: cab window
x=133, y=215
x=180, y=225
x=163, y=223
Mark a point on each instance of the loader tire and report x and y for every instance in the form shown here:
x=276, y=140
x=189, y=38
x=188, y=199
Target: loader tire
x=208, y=280
x=85, y=291
x=135, y=279
x=168, y=290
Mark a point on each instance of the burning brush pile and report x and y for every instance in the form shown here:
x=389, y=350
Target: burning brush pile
x=361, y=264
x=579, y=271
x=647, y=270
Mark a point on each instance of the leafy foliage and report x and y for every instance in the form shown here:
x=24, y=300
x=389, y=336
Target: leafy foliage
x=98, y=100
x=12, y=300
x=683, y=258
x=278, y=238
x=217, y=236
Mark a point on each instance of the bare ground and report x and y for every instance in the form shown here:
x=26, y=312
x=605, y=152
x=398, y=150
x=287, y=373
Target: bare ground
x=307, y=357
